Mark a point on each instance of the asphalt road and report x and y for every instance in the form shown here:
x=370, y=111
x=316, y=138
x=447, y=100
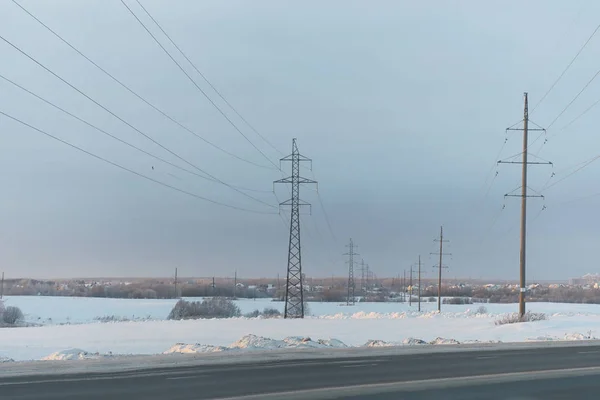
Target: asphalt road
x=559, y=373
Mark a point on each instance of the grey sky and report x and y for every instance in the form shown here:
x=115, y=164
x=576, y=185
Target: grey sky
x=402, y=105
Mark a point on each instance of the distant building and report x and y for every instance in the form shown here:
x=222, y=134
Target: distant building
x=587, y=279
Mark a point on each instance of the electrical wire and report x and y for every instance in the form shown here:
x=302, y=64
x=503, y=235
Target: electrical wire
x=575, y=98
x=587, y=163
x=206, y=79
x=128, y=124
x=566, y=69
x=196, y=85
x=324, y=210
x=135, y=93
x=130, y=170
x=117, y=138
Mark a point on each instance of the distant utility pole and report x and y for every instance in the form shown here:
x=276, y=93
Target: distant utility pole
x=176, y=296
x=235, y=283
x=351, y=285
x=419, y=283
x=363, y=289
x=410, y=288
x=404, y=286
x=2, y=287
x=440, y=266
x=294, y=290
x=524, y=195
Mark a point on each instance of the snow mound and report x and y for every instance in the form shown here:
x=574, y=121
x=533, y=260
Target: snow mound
x=578, y=336
x=413, y=341
x=333, y=343
x=302, y=342
x=254, y=342
x=257, y=342
x=379, y=343
x=182, y=348
x=540, y=339
x=476, y=341
x=440, y=340
x=73, y=354
x=5, y=359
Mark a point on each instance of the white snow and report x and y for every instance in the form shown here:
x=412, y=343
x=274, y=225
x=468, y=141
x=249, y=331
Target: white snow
x=440, y=340
x=73, y=325
x=73, y=354
x=196, y=348
x=253, y=342
x=82, y=310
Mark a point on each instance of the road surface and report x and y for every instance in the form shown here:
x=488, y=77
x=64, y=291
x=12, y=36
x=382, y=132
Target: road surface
x=543, y=373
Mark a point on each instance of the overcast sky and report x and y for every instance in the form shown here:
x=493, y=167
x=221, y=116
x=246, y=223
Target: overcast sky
x=402, y=105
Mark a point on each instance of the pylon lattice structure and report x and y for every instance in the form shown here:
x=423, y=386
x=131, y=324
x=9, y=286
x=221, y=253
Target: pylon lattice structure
x=294, y=290
x=351, y=284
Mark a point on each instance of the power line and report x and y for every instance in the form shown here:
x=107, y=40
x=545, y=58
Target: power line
x=324, y=210
x=196, y=85
x=129, y=125
x=117, y=138
x=135, y=93
x=575, y=98
x=566, y=69
x=206, y=79
x=574, y=172
x=130, y=170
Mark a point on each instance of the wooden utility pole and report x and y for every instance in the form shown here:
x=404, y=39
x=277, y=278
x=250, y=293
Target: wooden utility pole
x=440, y=266
x=404, y=286
x=419, y=283
x=524, y=195
x=410, y=288
x=235, y=283
x=176, y=296
x=440, y=269
x=523, y=259
x=2, y=287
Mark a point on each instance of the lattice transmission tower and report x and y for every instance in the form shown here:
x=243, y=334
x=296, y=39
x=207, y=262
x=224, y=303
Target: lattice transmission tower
x=294, y=291
x=351, y=284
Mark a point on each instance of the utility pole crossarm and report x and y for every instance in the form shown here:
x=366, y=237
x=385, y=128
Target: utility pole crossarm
x=529, y=162
x=529, y=129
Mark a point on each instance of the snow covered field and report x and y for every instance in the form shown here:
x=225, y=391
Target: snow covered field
x=70, y=323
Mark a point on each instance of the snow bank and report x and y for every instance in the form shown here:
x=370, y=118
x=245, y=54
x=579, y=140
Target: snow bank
x=257, y=342
x=413, y=341
x=196, y=348
x=440, y=340
x=409, y=342
x=254, y=342
x=567, y=337
x=380, y=343
x=333, y=343
x=74, y=354
x=5, y=359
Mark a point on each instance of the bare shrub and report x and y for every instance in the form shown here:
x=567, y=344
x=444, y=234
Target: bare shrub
x=266, y=313
x=12, y=315
x=215, y=307
x=515, y=318
x=481, y=310
x=457, y=300
x=269, y=312
x=111, y=318
x=252, y=314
